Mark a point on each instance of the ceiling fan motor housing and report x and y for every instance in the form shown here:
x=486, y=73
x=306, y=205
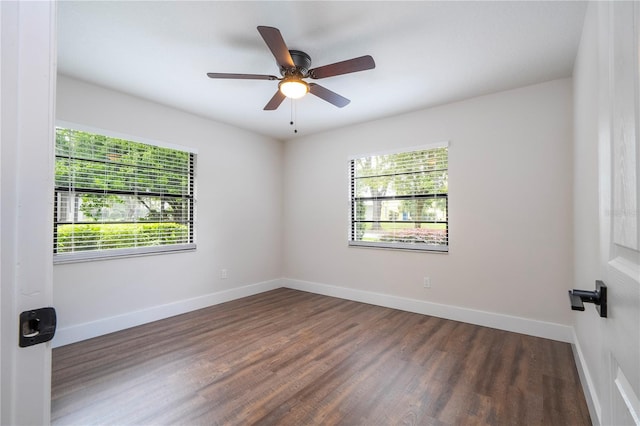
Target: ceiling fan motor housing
x=302, y=62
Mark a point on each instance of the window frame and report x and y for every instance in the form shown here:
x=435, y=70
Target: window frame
x=106, y=254
x=426, y=248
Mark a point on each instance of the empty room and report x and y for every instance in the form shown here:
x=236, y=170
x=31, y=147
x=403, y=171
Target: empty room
x=310, y=213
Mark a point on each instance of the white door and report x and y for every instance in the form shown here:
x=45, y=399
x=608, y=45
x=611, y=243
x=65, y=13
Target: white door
x=619, y=161
x=27, y=76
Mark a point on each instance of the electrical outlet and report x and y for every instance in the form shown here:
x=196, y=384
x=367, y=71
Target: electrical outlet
x=427, y=282
x=224, y=274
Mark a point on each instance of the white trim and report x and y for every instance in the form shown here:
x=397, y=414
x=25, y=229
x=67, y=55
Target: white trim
x=109, y=133
x=588, y=386
x=27, y=115
x=626, y=267
x=67, y=335
x=442, y=144
x=531, y=327
x=88, y=330
x=97, y=255
x=627, y=394
x=430, y=248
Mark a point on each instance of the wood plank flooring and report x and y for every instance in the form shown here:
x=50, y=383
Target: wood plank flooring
x=288, y=357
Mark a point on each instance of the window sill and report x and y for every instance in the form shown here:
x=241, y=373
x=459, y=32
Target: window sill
x=98, y=255
x=401, y=246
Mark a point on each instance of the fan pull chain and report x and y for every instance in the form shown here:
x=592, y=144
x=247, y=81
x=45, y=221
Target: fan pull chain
x=294, y=116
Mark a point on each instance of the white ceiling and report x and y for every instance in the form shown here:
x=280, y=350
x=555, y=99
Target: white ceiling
x=426, y=53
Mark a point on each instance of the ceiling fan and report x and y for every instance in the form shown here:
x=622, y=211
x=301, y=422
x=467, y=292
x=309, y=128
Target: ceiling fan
x=294, y=68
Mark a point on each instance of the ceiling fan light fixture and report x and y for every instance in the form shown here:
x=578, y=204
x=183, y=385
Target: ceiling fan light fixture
x=293, y=88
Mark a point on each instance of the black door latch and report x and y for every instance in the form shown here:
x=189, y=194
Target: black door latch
x=597, y=297
x=37, y=326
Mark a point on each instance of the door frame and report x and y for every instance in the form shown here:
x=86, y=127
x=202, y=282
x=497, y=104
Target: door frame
x=27, y=120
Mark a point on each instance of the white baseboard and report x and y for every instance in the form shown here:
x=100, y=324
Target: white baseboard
x=547, y=330
x=76, y=333
x=588, y=387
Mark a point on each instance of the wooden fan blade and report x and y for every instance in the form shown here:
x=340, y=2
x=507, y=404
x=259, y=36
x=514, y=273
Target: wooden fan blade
x=275, y=102
x=328, y=95
x=345, y=67
x=278, y=47
x=241, y=76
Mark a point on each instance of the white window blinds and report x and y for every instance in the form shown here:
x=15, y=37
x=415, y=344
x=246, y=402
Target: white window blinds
x=400, y=200
x=117, y=197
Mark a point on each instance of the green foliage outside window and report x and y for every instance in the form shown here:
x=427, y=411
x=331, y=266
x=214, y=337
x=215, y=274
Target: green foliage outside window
x=401, y=198
x=113, y=193
x=73, y=238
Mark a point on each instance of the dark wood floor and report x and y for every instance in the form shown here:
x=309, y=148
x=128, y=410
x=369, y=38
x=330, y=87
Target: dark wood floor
x=288, y=357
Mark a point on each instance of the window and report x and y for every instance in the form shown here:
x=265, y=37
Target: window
x=115, y=197
x=400, y=200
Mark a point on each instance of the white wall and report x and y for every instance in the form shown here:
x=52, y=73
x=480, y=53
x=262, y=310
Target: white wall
x=510, y=213
x=510, y=182
x=586, y=209
x=239, y=220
